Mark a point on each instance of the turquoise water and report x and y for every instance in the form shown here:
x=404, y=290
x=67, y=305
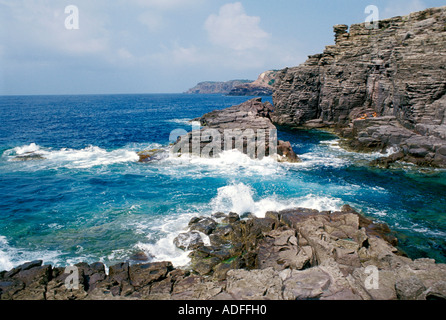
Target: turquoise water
x=90, y=200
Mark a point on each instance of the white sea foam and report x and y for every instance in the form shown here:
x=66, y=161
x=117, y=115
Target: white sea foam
x=231, y=162
x=188, y=122
x=73, y=158
x=240, y=198
x=31, y=148
x=11, y=257
x=163, y=248
x=335, y=146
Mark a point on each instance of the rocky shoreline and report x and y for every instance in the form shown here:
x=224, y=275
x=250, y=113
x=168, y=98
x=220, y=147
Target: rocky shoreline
x=375, y=99
x=293, y=254
x=377, y=88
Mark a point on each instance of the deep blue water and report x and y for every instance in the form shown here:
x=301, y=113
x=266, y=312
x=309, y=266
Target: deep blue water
x=90, y=200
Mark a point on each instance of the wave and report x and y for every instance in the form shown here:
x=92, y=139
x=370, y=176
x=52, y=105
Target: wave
x=227, y=163
x=334, y=145
x=11, y=257
x=160, y=245
x=188, y=122
x=240, y=198
x=70, y=158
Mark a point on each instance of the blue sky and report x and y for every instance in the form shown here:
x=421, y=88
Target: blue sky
x=165, y=46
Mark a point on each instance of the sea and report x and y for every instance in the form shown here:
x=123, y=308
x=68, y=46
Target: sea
x=83, y=196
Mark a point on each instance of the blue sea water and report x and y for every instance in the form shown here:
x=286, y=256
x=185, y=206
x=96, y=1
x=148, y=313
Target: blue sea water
x=90, y=200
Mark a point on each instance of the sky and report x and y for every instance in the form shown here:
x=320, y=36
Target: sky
x=165, y=46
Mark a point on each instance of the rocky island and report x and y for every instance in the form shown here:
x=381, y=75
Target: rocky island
x=263, y=86
x=246, y=128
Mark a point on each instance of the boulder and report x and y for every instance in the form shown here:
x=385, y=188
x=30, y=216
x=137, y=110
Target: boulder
x=188, y=240
x=203, y=224
x=142, y=275
x=246, y=128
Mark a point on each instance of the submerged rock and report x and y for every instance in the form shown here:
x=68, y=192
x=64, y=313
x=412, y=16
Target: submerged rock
x=28, y=157
x=188, y=240
x=151, y=155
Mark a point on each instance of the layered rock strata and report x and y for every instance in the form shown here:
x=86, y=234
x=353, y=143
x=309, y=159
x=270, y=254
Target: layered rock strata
x=288, y=255
x=246, y=128
x=380, y=88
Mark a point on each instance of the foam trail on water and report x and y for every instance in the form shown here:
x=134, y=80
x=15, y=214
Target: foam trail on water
x=31, y=148
x=11, y=257
x=72, y=158
x=227, y=163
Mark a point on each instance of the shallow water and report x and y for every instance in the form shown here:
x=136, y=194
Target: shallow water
x=90, y=200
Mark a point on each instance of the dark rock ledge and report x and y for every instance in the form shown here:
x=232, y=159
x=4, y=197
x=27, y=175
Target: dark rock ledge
x=288, y=255
x=246, y=127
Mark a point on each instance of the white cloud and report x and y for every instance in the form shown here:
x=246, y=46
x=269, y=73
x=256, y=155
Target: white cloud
x=402, y=7
x=125, y=54
x=232, y=28
x=40, y=27
x=152, y=20
x=166, y=4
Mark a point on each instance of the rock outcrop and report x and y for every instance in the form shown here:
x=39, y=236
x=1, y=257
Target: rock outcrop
x=263, y=86
x=293, y=254
x=246, y=127
x=379, y=88
x=215, y=87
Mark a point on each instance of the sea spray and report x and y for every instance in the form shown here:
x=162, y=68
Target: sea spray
x=239, y=198
x=87, y=157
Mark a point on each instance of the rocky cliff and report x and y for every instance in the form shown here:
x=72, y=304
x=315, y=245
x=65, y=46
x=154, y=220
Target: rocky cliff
x=378, y=87
x=263, y=86
x=214, y=87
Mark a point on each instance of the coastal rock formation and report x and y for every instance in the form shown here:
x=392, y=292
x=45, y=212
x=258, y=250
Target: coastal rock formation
x=246, y=127
x=263, y=86
x=295, y=254
x=379, y=88
x=215, y=87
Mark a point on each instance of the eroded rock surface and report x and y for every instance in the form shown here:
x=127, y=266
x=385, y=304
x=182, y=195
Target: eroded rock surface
x=380, y=88
x=246, y=128
x=288, y=255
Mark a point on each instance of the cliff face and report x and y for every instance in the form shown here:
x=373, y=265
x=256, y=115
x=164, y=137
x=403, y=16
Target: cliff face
x=380, y=87
x=263, y=86
x=211, y=87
